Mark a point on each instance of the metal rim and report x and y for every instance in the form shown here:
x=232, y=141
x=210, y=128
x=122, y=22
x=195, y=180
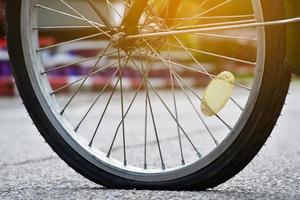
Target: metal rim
x=52, y=109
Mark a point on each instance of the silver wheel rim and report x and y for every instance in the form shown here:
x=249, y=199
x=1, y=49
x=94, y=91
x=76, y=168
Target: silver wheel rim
x=52, y=108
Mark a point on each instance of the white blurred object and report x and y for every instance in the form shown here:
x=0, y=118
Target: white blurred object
x=217, y=93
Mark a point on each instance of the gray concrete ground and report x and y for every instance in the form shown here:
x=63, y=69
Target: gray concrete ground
x=30, y=170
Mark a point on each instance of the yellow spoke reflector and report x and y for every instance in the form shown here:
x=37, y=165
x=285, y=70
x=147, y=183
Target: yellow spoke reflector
x=217, y=93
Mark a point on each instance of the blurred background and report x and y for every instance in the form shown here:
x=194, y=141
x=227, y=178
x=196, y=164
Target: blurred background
x=60, y=56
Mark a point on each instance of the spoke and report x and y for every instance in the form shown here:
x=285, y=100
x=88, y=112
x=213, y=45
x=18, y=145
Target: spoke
x=200, y=6
x=76, y=62
x=196, y=61
x=199, y=65
x=190, y=68
x=96, y=100
x=155, y=52
x=123, y=118
x=218, y=28
x=216, y=55
x=200, y=99
x=76, y=81
x=155, y=130
x=146, y=113
x=195, y=109
x=109, y=4
x=128, y=5
x=70, y=41
x=145, y=71
x=215, y=24
x=149, y=7
x=69, y=15
x=122, y=105
x=177, y=39
x=237, y=104
x=168, y=109
x=226, y=36
x=146, y=123
x=85, y=78
x=173, y=73
x=101, y=15
x=93, y=73
x=88, y=21
x=177, y=64
x=213, y=76
x=61, y=27
x=106, y=106
x=99, y=123
x=208, y=25
x=125, y=115
x=185, y=19
x=103, y=114
x=214, y=17
x=206, y=11
x=175, y=107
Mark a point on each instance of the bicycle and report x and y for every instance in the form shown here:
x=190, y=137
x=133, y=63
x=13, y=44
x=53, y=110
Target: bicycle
x=148, y=137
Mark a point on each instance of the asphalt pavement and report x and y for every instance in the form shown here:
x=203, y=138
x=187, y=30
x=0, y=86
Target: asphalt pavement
x=30, y=170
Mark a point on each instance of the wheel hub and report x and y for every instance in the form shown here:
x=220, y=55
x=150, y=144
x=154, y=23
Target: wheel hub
x=118, y=39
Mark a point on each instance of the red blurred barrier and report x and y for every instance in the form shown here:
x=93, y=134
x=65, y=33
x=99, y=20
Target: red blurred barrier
x=7, y=86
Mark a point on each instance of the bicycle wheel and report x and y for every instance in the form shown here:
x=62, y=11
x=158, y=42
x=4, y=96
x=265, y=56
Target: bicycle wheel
x=141, y=127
